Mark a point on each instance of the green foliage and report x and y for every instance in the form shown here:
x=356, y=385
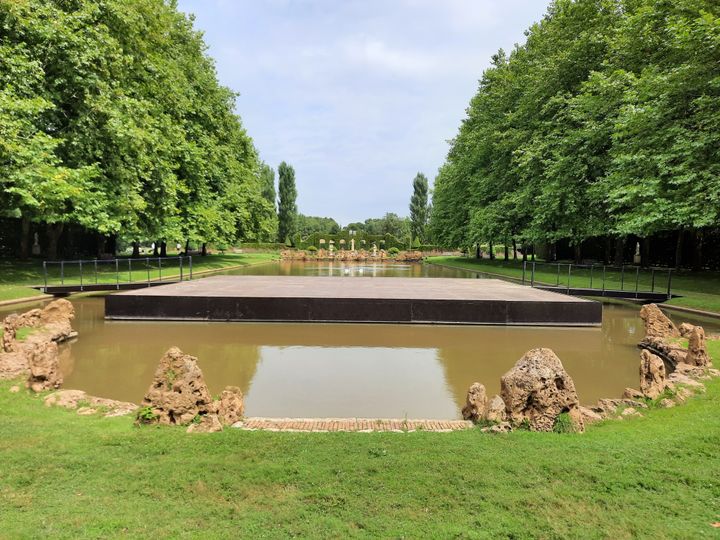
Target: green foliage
x=604, y=122
x=307, y=225
x=563, y=424
x=312, y=249
x=393, y=251
x=287, y=206
x=419, y=208
x=145, y=415
x=23, y=332
x=112, y=118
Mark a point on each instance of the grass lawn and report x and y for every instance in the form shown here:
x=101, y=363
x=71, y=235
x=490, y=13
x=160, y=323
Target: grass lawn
x=16, y=277
x=698, y=290
x=68, y=476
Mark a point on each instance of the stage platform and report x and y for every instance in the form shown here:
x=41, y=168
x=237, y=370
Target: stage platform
x=353, y=299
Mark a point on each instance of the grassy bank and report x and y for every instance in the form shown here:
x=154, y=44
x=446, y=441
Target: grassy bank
x=16, y=277
x=698, y=290
x=67, y=476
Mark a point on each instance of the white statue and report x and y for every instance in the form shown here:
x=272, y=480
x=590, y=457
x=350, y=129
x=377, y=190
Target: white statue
x=637, y=258
x=36, y=245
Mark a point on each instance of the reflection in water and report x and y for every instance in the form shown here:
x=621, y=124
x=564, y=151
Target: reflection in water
x=346, y=370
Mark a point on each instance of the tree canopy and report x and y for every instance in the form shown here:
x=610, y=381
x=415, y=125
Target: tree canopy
x=112, y=118
x=287, y=203
x=605, y=122
x=419, y=208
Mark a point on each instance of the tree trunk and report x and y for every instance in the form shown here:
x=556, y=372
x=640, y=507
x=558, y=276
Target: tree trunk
x=101, y=240
x=54, y=230
x=163, y=248
x=679, y=248
x=136, y=250
x=514, y=244
x=645, y=258
x=524, y=252
x=156, y=248
x=532, y=252
x=25, y=238
x=698, y=250
x=477, y=251
x=607, y=250
x=492, y=252
x=187, y=246
x=203, y=251
x=577, y=252
x=619, y=250
x=507, y=251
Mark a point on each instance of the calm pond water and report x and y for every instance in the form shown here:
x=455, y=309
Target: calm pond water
x=343, y=370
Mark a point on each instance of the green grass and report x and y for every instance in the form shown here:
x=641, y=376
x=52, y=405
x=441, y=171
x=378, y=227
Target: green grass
x=16, y=277
x=67, y=476
x=698, y=290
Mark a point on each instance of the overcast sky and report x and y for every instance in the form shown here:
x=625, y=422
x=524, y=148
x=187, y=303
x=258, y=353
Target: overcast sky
x=357, y=95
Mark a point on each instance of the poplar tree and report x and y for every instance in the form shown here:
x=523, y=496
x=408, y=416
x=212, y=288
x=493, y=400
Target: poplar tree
x=287, y=206
x=419, y=207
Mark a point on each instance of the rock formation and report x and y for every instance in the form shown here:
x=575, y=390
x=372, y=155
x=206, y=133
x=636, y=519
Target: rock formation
x=209, y=423
x=37, y=354
x=685, y=329
x=72, y=399
x=178, y=392
x=657, y=325
x=537, y=390
x=697, y=354
x=475, y=403
x=43, y=361
x=230, y=408
x=496, y=410
x=652, y=374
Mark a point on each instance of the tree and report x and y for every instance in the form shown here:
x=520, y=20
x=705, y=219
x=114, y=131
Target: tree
x=419, y=208
x=287, y=206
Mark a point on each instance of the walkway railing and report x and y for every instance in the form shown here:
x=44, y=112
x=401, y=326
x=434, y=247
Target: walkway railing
x=108, y=274
x=630, y=280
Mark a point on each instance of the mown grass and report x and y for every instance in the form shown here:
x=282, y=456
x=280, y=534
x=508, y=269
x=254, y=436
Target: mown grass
x=698, y=290
x=66, y=476
x=16, y=277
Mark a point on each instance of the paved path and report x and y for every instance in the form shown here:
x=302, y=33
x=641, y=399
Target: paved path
x=350, y=424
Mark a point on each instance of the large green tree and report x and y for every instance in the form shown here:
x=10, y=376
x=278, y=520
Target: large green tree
x=419, y=208
x=287, y=202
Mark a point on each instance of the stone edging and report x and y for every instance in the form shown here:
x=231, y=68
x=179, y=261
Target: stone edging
x=358, y=425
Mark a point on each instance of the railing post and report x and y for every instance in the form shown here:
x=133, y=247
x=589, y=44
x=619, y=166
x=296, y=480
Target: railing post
x=569, y=272
x=591, y=275
x=532, y=276
x=603, y=282
x=652, y=287
x=62, y=272
x=96, y=279
x=622, y=277
x=45, y=274
x=159, y=269
x=181, y=268
x=637, y=280
x=117, y=274
x=129, y=270
x=669, y=294
x=147, y=264
x=81, y=283
x=190, y=264
x=523, y=277
x=557, y=283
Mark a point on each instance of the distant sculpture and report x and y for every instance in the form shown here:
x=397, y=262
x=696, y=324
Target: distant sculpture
x=637, y=258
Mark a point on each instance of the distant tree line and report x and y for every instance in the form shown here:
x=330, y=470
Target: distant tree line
x=112, y=121
x=603, y=129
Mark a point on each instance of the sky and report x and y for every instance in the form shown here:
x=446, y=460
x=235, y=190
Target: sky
x=357, y=95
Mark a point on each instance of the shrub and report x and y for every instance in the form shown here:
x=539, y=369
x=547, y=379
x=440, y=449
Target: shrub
x=564, y=424
x=312, y=249
x=145, y=415
x=393, y=251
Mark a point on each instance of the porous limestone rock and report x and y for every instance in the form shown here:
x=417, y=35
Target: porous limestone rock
x=502, y=427
x=685, y=329
x=537, y=390
x=609, y=407
x=178, y=392
x=666, y=348
x=677, y=380
x=209, y=423
x=13, y=365
x=44, y=364
x=230, y=408
x=588, y=415
x=496, y=410
x=652, y=374
x=53, y=322
x=656, y=323
x=77, y=399
x=697, y=354
x=631, y=393
x=475, y=403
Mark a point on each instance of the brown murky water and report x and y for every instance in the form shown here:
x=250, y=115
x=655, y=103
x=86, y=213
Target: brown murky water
x=343, y=370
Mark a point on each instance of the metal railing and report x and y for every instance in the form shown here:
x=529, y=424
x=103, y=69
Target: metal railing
x=632, y=279
x=115, y=272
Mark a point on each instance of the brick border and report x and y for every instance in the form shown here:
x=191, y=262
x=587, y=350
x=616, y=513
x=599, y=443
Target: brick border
x=358, y=425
